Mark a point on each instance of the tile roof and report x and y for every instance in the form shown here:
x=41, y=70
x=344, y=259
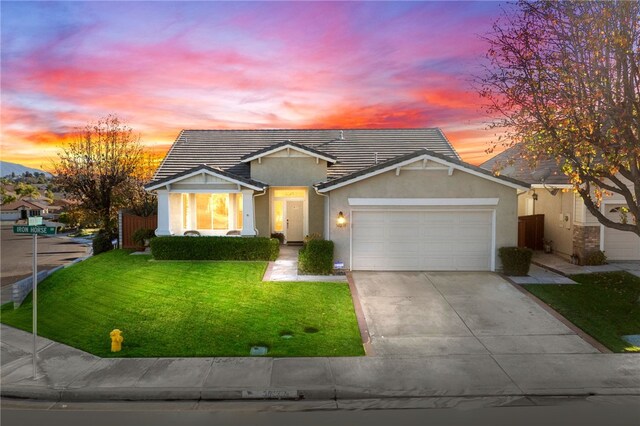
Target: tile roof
x=513, y=163
x=354, y=149
x=405, y=157
x=23, y=203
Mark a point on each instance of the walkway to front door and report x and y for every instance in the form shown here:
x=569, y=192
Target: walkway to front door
x=285, y=268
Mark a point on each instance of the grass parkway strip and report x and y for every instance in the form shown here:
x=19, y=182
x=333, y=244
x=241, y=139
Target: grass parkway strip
x=189, y=309
x=604, y=305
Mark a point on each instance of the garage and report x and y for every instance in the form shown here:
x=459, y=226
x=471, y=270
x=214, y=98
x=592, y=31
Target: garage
x=423, y=239
x=619, y=245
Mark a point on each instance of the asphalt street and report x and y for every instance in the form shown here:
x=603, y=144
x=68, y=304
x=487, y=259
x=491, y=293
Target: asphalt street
x=17, y=251
x=618, y=411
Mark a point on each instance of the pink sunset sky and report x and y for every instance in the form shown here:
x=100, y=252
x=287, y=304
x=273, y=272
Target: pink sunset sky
x=167, y=66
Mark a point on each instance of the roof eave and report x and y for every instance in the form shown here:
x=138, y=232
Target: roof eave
x=281, y=147
x=251, y=184
x=323, y=187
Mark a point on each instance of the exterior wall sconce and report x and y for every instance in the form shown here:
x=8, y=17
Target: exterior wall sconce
x=535, y=197
x=341, y=221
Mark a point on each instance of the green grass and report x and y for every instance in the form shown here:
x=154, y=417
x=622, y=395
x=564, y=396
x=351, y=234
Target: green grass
x=604, y=305
x=85, y=232
x=183, y=308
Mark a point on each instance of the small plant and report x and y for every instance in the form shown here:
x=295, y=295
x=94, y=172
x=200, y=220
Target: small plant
x=142, y=236
x=278, y=236
x=102, y=242
x=596, y=257
x=547, y=245
x=515, y=260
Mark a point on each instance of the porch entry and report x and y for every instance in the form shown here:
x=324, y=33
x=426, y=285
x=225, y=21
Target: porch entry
x=289, y=213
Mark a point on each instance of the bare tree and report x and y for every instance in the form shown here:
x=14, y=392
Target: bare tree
x=97, y=164
x=563, y=77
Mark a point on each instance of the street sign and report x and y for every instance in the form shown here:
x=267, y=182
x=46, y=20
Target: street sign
x=34, y=229
x=35, y=220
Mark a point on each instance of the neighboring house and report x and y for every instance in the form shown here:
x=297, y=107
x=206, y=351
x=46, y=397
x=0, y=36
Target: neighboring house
x=390, y=199
x=567, y=222
x=23, y=209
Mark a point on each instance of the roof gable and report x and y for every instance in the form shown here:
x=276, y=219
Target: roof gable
x=23, y=203
x=288, y=146
x=410, y=160
x=216, y=176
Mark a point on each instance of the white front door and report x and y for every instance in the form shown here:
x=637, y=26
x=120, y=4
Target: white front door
x=417, y=240
x=294, y=220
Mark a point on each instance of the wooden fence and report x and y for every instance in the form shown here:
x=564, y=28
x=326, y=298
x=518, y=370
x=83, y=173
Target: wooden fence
x=130, y=223
x=531, y=231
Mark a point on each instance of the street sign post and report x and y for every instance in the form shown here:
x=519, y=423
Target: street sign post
x=35, y=228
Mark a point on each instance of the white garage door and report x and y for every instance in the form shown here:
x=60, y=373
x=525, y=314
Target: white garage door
x=422, y=240
x=619, y=245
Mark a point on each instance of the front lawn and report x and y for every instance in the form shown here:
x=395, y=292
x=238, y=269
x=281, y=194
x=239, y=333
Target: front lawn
x=604, y=305
x=182, y=308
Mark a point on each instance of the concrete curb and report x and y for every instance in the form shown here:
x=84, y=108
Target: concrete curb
x=332, y=393
x=362, y=322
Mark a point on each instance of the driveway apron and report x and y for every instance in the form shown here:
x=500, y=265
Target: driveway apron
x=413, y=314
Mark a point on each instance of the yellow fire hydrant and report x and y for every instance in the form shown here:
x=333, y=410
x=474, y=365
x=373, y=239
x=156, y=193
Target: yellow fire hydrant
x=116, y=340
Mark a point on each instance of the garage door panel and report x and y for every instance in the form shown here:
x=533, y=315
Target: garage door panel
x=422, y=240
x=619, y=245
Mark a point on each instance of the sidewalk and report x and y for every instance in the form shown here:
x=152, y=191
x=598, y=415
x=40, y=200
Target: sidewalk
x=73, y=375
x=559, y=265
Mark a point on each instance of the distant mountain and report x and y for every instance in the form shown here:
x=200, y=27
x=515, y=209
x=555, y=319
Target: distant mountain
x=6, y=168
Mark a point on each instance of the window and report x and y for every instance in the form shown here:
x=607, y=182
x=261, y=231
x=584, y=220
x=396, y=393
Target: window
x=278, y=212
x=185, y=211
x=238, y=211
x=212, y=211
x=289, y=193
x=220, y=211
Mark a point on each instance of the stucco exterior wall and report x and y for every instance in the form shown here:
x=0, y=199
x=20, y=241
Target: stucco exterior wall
x=298, y=171
x=261, y=207
x=425, y=184
x=289, y=171
x=316, y=213
x=554, y=208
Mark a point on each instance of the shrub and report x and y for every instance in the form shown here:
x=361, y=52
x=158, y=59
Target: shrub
x=214, y=248
x=278, y=236
x=515, y=260
x=596, y=257
x=314, y=236
x=102, y=242
x=316, y=257
x=141, y=235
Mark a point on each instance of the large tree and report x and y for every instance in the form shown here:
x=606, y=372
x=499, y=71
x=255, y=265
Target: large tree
x=97, y=165
x=563, y=79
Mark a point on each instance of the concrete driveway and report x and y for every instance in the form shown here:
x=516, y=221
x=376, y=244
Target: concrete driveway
x=444, y=313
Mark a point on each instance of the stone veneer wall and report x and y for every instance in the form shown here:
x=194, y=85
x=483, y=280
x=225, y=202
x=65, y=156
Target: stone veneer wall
x=586, y=239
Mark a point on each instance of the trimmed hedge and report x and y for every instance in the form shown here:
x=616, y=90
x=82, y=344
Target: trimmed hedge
x=316, y=257
x=102, y=242
x=214, y=248
x=515, y=260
